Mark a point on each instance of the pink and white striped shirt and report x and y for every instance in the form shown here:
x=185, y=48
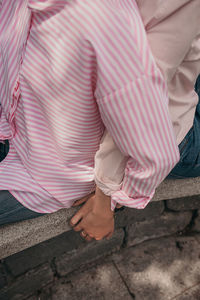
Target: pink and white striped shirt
x=67, y=69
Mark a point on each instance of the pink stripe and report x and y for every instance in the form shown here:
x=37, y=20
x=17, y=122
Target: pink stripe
x=79, y=63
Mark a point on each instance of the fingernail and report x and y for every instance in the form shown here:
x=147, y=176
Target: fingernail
x=71, y=223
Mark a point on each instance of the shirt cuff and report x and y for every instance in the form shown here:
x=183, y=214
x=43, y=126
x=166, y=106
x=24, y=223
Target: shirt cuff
x=107, y=187
x=118, y=196
x=123, y=199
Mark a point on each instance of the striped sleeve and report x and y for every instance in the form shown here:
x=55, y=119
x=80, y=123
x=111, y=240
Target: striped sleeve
x=137, y=118
x=133, y=102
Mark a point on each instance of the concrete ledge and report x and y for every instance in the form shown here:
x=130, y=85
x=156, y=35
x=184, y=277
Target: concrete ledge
x=19, y=236
x=177, y=188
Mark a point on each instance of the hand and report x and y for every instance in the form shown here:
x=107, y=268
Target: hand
x=82, y=200
x=95, y=218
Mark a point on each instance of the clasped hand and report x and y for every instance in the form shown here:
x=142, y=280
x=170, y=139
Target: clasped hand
x=95, y=219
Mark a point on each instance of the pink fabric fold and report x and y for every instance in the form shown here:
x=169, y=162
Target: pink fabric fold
x=122, y=198
x=84, y=67
x=42, y=5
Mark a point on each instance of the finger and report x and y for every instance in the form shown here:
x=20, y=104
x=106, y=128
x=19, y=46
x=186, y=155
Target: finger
x=78, y=227
x=88, y=238
x=77, y=217
x=83, y=234
x=80, y=201
x=119, y=209
x=118, y=205
x=98, y=238
x=83, y=200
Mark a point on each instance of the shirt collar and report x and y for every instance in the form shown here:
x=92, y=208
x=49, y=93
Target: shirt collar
x=41, y=5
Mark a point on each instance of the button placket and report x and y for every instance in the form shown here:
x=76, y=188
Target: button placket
x=15, y=100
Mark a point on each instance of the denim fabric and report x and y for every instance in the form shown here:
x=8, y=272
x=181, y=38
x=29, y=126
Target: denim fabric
x=189, y=164
x=12, y=210
x=4, y=148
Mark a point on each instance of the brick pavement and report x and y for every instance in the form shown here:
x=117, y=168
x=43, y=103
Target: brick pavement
x=154, y=254
x=162, y=269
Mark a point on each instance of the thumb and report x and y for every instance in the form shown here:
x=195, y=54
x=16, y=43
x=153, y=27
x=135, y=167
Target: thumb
x=118, y=206
x=82, y=200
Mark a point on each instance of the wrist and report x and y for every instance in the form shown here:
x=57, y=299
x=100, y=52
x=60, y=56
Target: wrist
x=102, y=204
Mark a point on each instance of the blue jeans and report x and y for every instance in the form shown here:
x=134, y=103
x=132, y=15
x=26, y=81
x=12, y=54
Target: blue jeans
x=12, y=210
x=189, y=163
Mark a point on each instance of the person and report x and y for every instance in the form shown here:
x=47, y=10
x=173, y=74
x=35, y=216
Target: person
x=177, y=54
x=68, y=70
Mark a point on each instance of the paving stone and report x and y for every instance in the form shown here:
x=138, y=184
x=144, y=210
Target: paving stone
x=88, y=253
x=102, y=282
x=191, y=294
x=27, y=284
x=161, y=268
x=130, y=215
x=164, y=225
x=188, y=203
x=30, y=258
x=196, y=226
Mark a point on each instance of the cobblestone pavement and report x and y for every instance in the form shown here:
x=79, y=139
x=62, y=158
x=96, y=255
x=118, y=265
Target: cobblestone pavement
x=161, y=269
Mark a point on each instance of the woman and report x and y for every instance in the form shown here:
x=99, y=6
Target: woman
x=176, y=47
x=69, y=68
x=173, y=31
